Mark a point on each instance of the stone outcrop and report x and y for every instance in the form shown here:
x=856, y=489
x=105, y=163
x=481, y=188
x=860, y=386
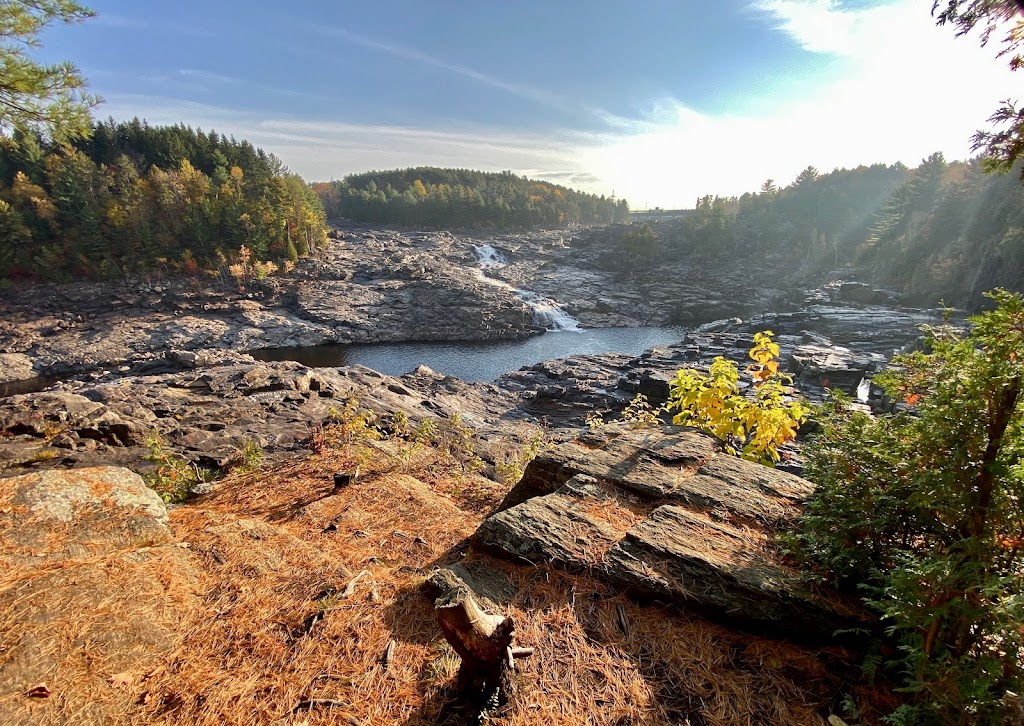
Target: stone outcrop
x=386, y=285
x=375, y=286
x=214, y=403
x=92, y=586
x=662, y=514
x=55, y=516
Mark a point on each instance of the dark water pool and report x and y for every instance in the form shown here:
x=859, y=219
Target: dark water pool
x=28, y=385
x=476, y=361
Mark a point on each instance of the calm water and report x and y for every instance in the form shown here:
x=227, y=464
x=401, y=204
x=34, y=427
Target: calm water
x=474, y=361
x=28, y=385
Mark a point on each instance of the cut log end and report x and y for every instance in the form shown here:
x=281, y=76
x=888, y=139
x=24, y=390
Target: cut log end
x=343, y=479
x=474, y=633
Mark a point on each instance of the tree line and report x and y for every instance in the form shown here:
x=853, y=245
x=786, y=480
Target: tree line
x=940, y=230
x=433, y=197
x=133, y=198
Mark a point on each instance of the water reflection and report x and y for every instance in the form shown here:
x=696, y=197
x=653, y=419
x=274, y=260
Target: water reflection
x=27, y=385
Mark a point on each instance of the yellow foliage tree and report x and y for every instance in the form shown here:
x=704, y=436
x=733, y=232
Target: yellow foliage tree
x=753, y=427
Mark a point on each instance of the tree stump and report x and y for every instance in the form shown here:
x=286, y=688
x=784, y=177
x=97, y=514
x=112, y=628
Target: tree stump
x=343, y=479
x=483, y=641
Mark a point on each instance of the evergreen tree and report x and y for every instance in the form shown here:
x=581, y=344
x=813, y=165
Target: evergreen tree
x=435, y=197
x=49, y=99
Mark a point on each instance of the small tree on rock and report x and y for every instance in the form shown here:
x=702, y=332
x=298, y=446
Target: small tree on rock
x=753, y=427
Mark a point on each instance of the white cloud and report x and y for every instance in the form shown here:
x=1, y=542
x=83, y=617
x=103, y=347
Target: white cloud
x=824, y=26
x=905, y=88
x=320, y=150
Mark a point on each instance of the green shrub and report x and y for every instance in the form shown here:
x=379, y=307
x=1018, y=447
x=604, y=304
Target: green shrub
x=512, y=462
x=174, y=477
x=924, y=510
x=638, y=414
x=250, y=456
x=350, y=425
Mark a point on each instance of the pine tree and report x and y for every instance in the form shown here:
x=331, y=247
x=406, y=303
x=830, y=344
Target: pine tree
x=49, y=99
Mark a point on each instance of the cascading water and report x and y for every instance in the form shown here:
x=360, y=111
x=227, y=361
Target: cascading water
x=488, y=257
x=546, y=311
x=863, y=390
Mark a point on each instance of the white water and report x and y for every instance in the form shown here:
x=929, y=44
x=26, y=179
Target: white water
x=546, y=311
x=488, y=257
x=863, y=390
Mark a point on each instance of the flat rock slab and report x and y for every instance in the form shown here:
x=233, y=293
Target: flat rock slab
x=725, y=572
x=662, y=514
x=572, y=528
x=667, y=464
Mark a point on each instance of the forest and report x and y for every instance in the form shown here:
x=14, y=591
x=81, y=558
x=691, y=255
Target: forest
x=940, y=230
x=462, y=198
x=134, y=198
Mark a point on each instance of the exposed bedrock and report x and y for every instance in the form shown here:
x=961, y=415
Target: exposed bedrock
x=662, y=514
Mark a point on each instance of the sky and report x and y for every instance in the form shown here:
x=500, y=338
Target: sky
x=658, y=102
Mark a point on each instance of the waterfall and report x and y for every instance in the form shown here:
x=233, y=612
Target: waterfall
x=863, y=390
x=546, y=312
x=488, y=257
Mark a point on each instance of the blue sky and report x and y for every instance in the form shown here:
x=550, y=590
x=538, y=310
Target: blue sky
x=655, y=101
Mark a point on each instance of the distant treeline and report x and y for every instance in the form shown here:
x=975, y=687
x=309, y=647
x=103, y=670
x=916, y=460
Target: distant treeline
x=133, y=198
x=432, y=197
x=941, y=230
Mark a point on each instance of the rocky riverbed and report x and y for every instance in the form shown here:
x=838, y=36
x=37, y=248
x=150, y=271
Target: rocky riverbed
x=168, y=357
x=368, y=286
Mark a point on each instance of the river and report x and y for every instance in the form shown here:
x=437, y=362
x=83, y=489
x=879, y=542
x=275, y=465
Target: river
x=477, y=361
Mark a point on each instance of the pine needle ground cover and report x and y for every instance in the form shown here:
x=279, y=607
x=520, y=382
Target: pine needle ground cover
x=301, y=604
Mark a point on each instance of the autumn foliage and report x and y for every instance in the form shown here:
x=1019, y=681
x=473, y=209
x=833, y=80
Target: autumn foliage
x=754, y=426
x=134, y=199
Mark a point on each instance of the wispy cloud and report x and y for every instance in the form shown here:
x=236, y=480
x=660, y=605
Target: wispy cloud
x=527, y=92
x=208, y=77
x=396, y=50
x=325, y=150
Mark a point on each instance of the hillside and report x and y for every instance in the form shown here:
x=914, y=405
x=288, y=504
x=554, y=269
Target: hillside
x=462, y=198
x=943, y=230
x=141, y=199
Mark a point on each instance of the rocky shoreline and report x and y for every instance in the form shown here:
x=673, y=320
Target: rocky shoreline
x=368, y=286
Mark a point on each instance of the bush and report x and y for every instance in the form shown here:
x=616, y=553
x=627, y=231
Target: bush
x=638, y=414
x=641, y=244
x=924, y=510
x=753, y=427
x=174, y=478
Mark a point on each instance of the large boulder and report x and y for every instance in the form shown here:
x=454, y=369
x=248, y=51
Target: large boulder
x=92, y=587
x=663, y=514
x=61, y=515
x=15, y=367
